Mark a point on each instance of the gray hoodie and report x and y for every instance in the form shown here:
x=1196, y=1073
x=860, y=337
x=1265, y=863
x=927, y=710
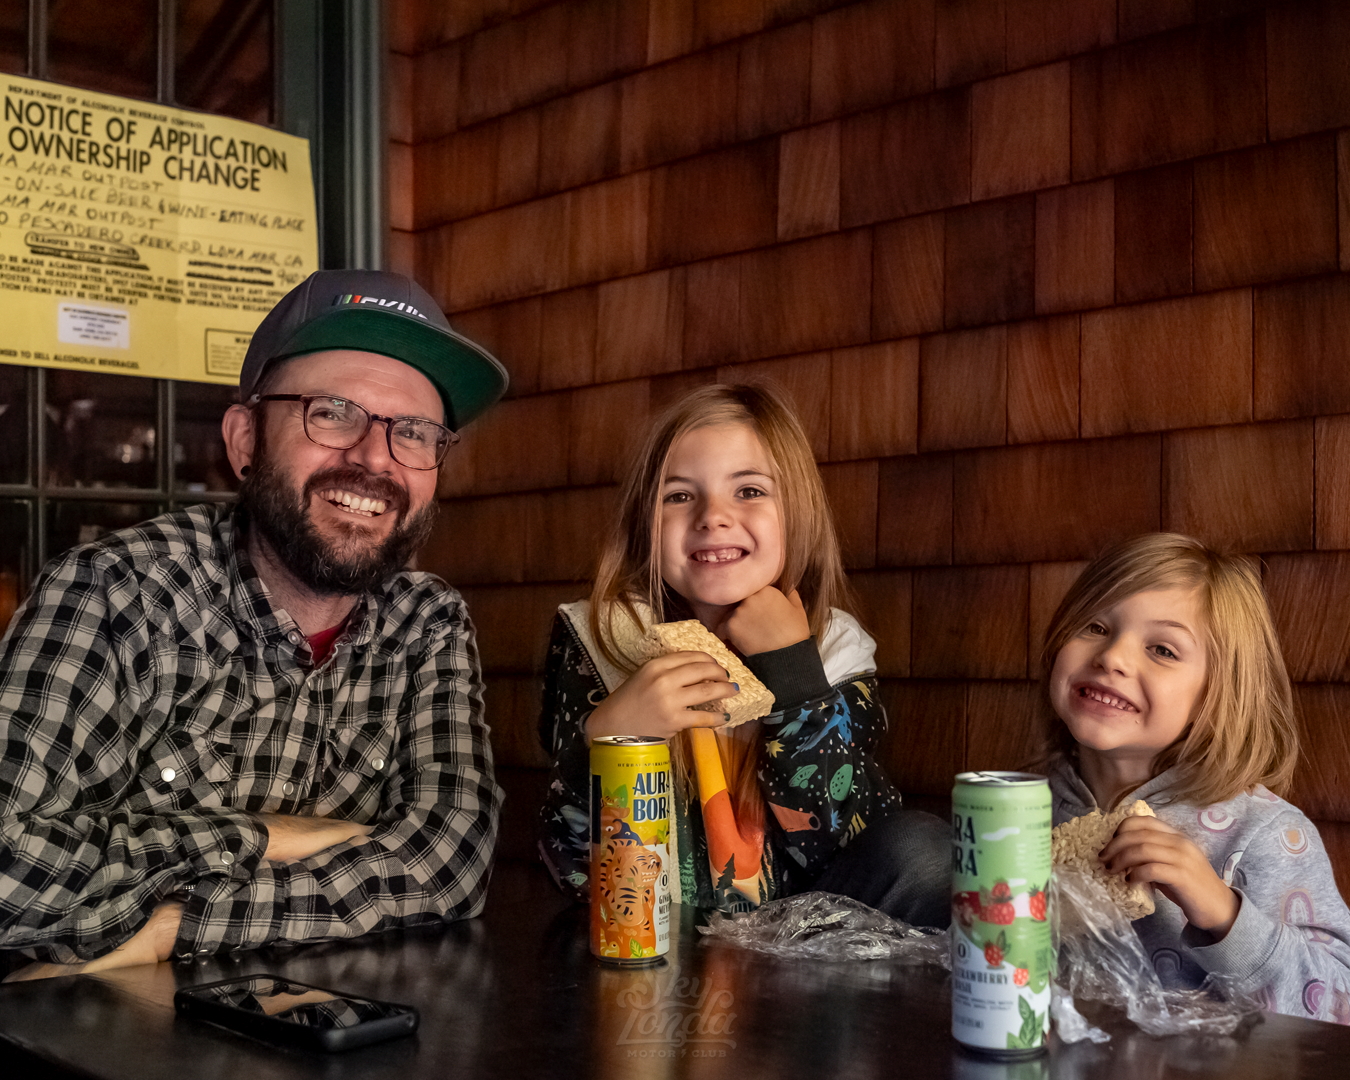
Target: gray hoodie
x=1291, y=939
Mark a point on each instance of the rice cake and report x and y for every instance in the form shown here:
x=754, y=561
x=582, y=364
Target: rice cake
x=1078, y=842
x=754, y=698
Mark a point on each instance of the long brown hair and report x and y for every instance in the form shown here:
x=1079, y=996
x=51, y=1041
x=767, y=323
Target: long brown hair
x=1244, y=733
x=630, y=561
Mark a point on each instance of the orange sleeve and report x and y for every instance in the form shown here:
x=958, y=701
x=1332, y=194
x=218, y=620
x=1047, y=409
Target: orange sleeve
x=725, y=839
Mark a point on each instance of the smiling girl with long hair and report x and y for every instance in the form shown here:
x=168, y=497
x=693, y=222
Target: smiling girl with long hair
x=1166, y=678
x=723, y=519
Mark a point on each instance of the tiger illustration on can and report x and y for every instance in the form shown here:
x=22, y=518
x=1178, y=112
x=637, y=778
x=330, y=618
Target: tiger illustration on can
x=630, y=833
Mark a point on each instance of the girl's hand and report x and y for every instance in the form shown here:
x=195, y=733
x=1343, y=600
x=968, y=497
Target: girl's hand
x=1147, y=849
x=659, y=698
x=765, y=621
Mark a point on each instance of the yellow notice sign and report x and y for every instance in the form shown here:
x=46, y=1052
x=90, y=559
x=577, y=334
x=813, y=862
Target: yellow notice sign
x=140, y=239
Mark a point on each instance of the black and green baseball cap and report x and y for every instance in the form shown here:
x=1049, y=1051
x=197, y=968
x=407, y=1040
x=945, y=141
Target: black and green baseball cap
x=379, y=312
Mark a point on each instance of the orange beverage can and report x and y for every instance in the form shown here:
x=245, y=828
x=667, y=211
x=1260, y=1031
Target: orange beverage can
x=630, y=849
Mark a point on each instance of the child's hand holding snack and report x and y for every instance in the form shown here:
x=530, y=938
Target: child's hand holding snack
x=1146, y=849
x=660, y=698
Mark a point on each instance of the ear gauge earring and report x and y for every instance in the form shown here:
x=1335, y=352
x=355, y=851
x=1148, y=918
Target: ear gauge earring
x=245, y=470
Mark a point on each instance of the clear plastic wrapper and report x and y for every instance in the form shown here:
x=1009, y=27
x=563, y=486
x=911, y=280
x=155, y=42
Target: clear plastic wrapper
x=1071, y=1025
x=1100, y=956
x=823, y=926
x=1102, y=959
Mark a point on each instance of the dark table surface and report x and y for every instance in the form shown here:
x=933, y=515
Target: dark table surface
x=517, y=994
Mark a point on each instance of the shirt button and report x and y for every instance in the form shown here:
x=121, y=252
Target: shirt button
x=227, y=857
x=288, y=788
x=378, y=764
x=293, y=637
x=167, y=775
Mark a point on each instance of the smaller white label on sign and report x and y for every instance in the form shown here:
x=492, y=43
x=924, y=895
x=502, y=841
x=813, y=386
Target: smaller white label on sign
x=84, y=324
x=225, y=351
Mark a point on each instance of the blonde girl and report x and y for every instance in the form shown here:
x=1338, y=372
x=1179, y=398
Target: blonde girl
x=1166, y=675
x=723, y=519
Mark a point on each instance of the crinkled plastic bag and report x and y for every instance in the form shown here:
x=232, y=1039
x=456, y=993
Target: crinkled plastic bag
x=823, y=926
x=1102, y=958
x=1069, y=1022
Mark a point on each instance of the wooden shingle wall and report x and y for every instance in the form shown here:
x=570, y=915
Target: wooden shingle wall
x=1040, y=274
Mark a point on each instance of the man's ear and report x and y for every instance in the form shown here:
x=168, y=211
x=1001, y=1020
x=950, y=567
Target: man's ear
x=241, y=436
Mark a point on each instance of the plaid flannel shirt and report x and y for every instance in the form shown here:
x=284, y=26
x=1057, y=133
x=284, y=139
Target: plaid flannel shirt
x=152, y=701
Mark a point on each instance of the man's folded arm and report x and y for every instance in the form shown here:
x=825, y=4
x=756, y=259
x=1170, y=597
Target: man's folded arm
x=428, y=856
x=79, y=871
x=75, y=885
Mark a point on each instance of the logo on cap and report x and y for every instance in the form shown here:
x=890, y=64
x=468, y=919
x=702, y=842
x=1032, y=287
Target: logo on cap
x=396, y=305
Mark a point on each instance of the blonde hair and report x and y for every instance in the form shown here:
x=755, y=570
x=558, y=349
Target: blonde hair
x=630, y=560
x=1244, y=733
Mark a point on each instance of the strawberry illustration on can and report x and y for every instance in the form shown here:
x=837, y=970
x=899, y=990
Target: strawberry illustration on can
x=1036, y=903
x=1000, y=908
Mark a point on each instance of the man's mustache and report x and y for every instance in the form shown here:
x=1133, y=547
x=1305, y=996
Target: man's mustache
x=359, y=482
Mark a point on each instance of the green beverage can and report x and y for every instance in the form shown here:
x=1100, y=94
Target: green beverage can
x=1002, y=953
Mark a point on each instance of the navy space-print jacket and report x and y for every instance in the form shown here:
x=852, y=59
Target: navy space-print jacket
x=818, y=772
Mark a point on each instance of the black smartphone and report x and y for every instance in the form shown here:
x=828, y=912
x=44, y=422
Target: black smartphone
x=287, y=1013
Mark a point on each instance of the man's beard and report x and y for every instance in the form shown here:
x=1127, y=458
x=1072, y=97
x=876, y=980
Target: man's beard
x=331, y=567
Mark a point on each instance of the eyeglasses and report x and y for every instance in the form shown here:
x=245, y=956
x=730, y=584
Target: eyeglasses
x=340, y=424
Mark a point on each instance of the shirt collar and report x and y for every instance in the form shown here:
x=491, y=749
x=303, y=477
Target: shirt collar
x=1077, y=798
x=251, y=602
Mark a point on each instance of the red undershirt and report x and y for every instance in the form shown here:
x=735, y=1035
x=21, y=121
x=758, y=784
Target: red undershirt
x=321, y=644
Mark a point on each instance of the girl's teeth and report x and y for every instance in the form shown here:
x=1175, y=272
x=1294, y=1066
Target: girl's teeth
x=1107, y=699
x=717, y=556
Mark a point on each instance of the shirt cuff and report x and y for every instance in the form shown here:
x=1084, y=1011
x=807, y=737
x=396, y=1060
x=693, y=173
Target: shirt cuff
x=794, y=674
x=214, y=841
x=1244, y=950
x=228, y=863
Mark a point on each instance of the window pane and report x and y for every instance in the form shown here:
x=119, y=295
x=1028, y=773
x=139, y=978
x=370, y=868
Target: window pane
x=201, y=463
x=82, y=521
x=224, y=62
x=14, y=38
x=100, y=430
x=13, y=424
x=16, y=556
x=113, y=47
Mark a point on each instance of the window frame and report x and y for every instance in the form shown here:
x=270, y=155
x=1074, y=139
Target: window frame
x=327, y=87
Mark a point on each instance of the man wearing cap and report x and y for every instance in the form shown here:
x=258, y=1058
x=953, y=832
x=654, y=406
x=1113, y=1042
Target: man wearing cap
x=229, y=727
